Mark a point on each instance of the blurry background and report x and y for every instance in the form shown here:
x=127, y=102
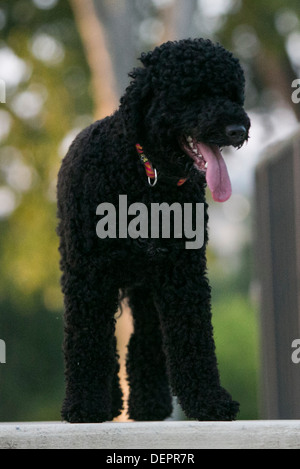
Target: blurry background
x=65, y=64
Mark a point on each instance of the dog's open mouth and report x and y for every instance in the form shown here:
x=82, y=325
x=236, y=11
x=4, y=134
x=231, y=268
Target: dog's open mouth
x=208, y=159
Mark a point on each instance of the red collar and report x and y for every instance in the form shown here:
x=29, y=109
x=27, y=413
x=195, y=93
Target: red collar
x=150, y=171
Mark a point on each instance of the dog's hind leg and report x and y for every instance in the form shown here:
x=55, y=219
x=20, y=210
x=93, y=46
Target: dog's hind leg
x=91, y=362
x=149, y=397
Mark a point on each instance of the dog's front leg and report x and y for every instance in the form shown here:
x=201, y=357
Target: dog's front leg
x=184, y=304
x=92, y=388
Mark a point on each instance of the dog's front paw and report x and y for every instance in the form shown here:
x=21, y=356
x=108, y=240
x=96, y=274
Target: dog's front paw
x=221, y=407
x=84, y=412
x=217, y=406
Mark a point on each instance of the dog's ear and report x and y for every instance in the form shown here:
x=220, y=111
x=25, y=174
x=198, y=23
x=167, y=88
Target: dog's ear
x=135, y=102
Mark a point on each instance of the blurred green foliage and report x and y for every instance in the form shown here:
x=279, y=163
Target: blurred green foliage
x=237, y=346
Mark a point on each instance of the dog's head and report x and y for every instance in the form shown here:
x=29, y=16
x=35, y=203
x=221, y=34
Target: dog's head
x=184, y=105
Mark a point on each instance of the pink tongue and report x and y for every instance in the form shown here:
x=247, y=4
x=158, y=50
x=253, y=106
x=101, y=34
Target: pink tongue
x=217, y=177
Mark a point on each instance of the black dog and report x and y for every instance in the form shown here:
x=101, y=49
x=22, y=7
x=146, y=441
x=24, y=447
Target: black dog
x=161, y=146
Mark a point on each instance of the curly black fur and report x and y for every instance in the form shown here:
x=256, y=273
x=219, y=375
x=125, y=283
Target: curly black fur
x=186, y=88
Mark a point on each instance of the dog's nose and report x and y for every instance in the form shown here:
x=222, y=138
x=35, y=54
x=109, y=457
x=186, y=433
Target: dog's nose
x=236, y=133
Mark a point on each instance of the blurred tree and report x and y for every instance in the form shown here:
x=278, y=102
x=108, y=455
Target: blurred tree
x=93, y=38
x=125, y=29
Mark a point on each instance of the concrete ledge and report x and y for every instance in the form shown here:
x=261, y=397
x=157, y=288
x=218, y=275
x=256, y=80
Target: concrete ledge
x=283, y=434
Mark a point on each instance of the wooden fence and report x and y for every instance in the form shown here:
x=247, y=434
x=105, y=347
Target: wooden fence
x=277, y=230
